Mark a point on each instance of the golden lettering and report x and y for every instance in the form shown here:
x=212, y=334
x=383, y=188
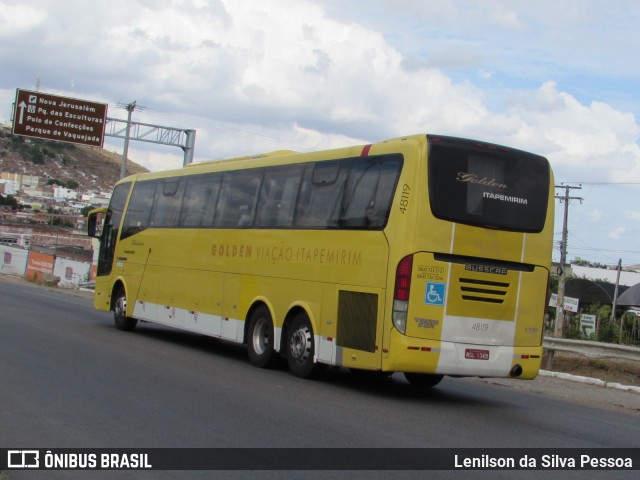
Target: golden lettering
x=473, y=178
x=231, y=250
x=281, y=254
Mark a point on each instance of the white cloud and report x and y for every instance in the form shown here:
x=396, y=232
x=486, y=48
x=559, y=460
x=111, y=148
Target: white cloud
x=617, y=233
x=19, y=19
x=259, y=75
x=595, y=137
x=301, y=74
x=508, y=19
x=596, y=215
x=635, y=216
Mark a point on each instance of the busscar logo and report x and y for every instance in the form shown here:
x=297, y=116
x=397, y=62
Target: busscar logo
x=485, y=269
x=23, y=459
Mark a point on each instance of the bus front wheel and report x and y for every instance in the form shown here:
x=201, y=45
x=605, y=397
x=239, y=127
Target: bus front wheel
x=120, y=312
x=260, y=338
x=423, y=380
x=301, y=348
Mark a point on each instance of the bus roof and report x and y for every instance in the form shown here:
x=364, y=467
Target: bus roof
x=277, y=153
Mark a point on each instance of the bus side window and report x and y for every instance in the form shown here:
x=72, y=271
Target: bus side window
x=278, y=197
x=199, y=204
x=369, y=193
x=167, y=203
x=139, y=209
x=238, y=197
x=320, y=197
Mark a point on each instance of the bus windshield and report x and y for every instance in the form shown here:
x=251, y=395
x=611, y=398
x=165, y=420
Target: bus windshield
x=487, y=185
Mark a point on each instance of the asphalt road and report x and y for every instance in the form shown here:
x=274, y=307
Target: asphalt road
x=72, y=380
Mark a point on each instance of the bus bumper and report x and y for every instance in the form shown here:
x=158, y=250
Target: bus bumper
x=410, y=354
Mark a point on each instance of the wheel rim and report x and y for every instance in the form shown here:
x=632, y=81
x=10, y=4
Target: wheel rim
x=120, y=307
x=300, y=344
x=261, y=334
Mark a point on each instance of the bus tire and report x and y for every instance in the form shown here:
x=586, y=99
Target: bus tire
x=260, y=338
x=301, y=348
x=423, y=380
x=120, y=312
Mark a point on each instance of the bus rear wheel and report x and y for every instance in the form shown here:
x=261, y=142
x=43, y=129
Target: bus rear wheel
x=423, y=380
x=301, y=348
x=120, y=312
x=260, y=338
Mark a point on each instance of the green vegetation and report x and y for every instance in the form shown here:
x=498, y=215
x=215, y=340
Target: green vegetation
x=85, y=211
x=37, y=150
x=70, y=184
x=9, y=200
x=607, y=331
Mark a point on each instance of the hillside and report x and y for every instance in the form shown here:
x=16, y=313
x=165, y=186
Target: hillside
x=94, y=168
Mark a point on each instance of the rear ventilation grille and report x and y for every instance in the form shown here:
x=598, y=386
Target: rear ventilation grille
x=357, y=316
x=483, y=290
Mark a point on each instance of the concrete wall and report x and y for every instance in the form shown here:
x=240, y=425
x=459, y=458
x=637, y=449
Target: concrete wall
x=71, y=272
x=34, y=266
x=13, y=260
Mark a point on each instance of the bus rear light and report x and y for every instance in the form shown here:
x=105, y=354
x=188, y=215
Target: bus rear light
x=403, y=279
x=400, y=315
x=401, y=293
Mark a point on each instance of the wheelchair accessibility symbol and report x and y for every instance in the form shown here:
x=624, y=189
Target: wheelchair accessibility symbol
x=434, y=293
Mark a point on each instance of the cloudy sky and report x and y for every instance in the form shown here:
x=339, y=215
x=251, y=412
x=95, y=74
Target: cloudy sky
x=555, y=77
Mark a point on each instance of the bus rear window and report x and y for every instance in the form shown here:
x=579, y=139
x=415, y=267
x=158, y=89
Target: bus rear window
x=487, y=185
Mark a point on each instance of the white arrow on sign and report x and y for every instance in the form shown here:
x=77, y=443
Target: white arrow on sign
x=21, y=106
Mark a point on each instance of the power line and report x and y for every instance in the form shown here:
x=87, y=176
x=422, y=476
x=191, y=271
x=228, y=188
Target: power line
x=605, y=183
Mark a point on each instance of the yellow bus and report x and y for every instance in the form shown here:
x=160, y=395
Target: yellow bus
x=427, y=255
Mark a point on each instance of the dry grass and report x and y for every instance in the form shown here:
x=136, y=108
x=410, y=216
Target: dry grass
x=626, y=372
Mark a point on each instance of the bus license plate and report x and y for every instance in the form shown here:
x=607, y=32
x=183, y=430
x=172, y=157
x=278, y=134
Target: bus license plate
x=473, y=354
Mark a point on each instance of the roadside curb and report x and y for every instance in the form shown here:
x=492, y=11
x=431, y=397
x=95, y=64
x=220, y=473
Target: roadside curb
x=589, y=380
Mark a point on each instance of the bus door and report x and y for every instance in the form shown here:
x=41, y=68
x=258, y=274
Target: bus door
x=109, y=238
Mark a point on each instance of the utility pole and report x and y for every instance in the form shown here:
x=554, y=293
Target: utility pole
x=563, y=258
x=615, y=301
x=123, y=167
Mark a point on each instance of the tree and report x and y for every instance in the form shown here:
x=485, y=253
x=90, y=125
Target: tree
x=35, y=153
x=85, y=211
x=72, y=184
x=9, y=200
x=60, y=222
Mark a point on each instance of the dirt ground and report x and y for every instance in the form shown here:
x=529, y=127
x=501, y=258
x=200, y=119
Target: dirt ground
x=626, y=372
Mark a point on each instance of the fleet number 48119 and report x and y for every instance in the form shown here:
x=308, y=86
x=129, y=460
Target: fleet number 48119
x=404, y=198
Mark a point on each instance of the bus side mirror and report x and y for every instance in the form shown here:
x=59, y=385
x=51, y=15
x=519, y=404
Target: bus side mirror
x=92, y=221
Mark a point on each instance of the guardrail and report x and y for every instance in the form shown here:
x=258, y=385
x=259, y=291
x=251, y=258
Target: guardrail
x=591, y=349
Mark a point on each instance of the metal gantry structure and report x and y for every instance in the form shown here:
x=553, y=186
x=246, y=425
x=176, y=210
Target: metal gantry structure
x=146, y=132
